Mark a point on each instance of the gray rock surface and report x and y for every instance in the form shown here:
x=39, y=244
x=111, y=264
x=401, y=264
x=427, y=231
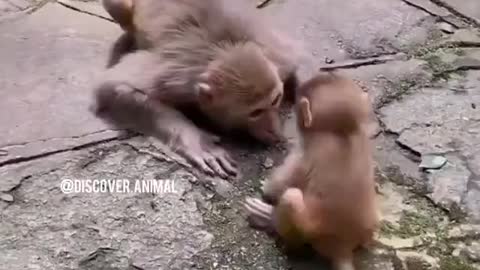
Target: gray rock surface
x=467, y=8
x=49, y=60
x=426, y=99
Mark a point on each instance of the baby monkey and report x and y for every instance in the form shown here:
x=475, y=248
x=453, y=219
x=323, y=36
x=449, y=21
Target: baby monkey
x=324, y=193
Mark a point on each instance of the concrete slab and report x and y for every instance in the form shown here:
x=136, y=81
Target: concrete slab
x=49, y=60
x=469, y=8
x=48, y=229
x=340, y=30
x=442, y=121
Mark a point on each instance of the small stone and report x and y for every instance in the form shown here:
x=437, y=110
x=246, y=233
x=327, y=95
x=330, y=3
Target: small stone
x=465, y=230
x=329, y=60
x=473, y=252
x=432, y=162
x=399, y=243
x=455, y=233
x=268, y=163
x=446, y=28
x=6, y=197
x=456, y=252
x=415, y=260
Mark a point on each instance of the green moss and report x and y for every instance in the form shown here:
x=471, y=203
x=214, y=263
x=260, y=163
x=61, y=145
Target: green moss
x=414, y=224
x=396, y=91
x=439, y=68
x=453, y=263
x=387, y=228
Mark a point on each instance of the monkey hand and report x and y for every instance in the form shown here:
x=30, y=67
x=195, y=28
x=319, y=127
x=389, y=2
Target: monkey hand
x=203, y=151
x=259, y=213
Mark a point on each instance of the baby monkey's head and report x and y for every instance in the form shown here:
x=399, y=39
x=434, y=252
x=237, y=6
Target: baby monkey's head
x=244, y=87
x=331, y=103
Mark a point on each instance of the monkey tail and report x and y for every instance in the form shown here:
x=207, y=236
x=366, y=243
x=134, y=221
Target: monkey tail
x=345, y=263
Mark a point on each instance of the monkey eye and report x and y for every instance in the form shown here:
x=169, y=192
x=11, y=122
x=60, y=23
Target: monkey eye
x=276, y=100
x=256, y=113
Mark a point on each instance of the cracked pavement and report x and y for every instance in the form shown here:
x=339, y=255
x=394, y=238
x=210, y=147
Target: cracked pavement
x=419, y=60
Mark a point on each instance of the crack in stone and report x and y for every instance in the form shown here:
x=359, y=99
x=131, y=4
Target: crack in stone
x=26, y=11
x=455, y=12
x=412, y=151
x=26, y=177
x=46, y=154
x=441, y=18
x=457, y=69
x=461, y=44
x=361, y=62
x=3, y=147
x=85, y=12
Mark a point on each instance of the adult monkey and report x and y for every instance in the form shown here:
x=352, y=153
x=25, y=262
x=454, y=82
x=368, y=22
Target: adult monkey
x=212, y=55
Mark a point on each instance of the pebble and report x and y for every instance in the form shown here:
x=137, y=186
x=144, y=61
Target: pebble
x=329, y=60
x=268, y=163
x=446, y=28
x=6, y=197
x=432, y=162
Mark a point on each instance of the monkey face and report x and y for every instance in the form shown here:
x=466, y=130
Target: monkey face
x=243, y=91
x=259, y=116
x=264, y=122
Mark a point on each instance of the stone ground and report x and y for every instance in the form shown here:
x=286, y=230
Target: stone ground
x=419, y=60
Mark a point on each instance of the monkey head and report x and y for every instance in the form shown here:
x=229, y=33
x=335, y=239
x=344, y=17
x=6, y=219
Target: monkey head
x=241, y=89
x=330, y=102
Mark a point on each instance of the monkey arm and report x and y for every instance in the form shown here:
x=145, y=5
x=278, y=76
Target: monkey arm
x=123, y=45
x=283, y=177
x=121, y=11
x=124, y=100
x=291, y=217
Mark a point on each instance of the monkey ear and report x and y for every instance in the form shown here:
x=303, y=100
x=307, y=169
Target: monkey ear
x=305, y=112
x=204, y=92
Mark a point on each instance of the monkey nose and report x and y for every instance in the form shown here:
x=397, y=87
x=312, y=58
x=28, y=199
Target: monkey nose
x=274, y=137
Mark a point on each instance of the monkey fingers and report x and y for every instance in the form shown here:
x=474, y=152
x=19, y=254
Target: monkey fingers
x=259, y=213
x=210, y=158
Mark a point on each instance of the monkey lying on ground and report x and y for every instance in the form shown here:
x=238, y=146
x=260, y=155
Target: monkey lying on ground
x=210, y=55
x=324, y=193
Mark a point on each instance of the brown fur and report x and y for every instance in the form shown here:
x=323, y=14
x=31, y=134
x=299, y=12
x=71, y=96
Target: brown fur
x=324, y=193
x=207, y=55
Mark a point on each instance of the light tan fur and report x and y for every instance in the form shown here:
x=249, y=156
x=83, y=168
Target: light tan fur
x=324, y=193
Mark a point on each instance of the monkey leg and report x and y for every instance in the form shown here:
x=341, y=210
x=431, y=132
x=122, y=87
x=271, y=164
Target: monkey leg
x=123, y=100
x=124, y=45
